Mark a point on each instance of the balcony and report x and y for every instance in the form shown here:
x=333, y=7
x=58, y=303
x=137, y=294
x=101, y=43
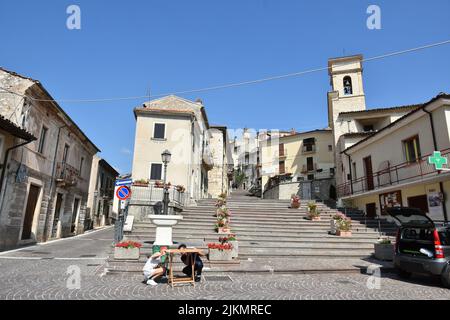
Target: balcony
x=66, y=175
x=309, y=169
x=405, y=172
x=308, y=149
x=283, y=153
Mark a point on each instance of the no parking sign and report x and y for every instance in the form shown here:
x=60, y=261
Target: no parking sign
x=123, y=193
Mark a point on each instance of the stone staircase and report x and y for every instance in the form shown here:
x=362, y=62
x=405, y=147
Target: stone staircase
x=266, y=229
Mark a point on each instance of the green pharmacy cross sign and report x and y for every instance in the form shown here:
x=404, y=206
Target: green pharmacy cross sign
x=438, y=160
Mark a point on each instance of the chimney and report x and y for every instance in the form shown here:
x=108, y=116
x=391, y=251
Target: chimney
x=198, y=100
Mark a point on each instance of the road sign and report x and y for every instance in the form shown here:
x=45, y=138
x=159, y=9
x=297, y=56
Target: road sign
x=438, y=160
x=123, y=193
x=126, y=182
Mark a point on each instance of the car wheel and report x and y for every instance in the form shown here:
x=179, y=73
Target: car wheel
x=445, y=277
x=404, y=274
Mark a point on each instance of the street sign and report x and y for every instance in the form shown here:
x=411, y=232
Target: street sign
x=123, y=193
x=126, y=182
x=438, y=160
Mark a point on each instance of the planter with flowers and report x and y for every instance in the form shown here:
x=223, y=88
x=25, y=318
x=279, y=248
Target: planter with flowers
x=384, y=249
x=334, y=222
x=223, y=216
x=160, y=184
x=180, y=188
x=141, y=183
x=295, y=201
x=127, y=250
x=231, y=239
x=344, y=227
x=220, y=252
x=313, y=212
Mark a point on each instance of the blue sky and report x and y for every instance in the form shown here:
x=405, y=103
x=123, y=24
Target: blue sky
x=126, y=48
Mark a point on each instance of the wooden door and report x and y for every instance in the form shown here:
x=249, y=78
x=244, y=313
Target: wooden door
x=371, y=210
x=369, y=173
x=419, y=202
x=33, y=196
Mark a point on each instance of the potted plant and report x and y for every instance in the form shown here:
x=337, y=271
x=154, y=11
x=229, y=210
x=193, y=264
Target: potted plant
x=295, y=201
x=180, y=188
x=344, y=227
x=231, y=239
x=141, y=183
x=127, y=250
x=384, y=249
x=222, y=226
x=313, y=212
x=334, y=222
x=220, y=252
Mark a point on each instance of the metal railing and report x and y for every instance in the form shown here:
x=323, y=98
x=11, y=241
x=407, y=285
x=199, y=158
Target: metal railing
x=66, y=173
x=151, y=194
x=392, y=175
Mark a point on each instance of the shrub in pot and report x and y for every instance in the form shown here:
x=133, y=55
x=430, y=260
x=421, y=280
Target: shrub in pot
x=344, y=227
x=313, y=212
x=295, y=201
x=231, y=239
x=384, y=249
x=220, y=252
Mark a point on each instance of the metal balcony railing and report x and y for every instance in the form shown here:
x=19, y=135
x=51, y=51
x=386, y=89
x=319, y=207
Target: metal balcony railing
x=392, y=175
x=151, y=195
x=309, y=148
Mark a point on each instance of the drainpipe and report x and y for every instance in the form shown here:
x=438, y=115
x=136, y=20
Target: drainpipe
x=51, y=183
x=441, y=186
x=350, y=169
x=5, y=164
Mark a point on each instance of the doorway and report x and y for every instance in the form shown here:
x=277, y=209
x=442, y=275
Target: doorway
x=33, y=196
x=419, y=202
x=76, y=206
x=371, y=210
x=306, y=190
x=59, y=200
x=369, y=173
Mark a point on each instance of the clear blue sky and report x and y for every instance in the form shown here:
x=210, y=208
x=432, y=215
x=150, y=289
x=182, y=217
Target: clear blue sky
x=126, y=47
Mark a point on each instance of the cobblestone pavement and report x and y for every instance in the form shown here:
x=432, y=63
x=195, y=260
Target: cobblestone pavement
x=46, y=272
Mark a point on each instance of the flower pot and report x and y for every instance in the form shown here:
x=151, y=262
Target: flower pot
x=224, y=230
x=126, y=254
x=384, y=251
x=235, y=250
x=333, y=226
x=220, y=255
x=295, y=205
x=316, y=218
x=344, y=233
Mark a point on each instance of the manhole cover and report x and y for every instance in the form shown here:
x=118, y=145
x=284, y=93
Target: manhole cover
x=88, y=256
x=218, y=278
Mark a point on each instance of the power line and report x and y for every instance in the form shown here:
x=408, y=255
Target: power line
x=237, y=84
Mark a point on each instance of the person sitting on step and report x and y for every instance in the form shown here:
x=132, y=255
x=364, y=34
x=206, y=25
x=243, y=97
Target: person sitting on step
x=154, y=267
x=198, y=264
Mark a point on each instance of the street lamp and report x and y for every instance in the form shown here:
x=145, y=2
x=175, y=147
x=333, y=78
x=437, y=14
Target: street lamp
x=165, y=156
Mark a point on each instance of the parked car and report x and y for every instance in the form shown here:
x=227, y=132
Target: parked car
x=422, y=246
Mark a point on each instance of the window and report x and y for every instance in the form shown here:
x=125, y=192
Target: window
x=368, y=128
x=42, y=140
x=309, y=144
x=348, y=88
x=310, y=163
x=354, y=171
x=282, y=167
x=65, y=153
x=330, y=147
x=412, y=149
x=310, y=177
x=81, y=165
x=159, y=131
x=156, y=171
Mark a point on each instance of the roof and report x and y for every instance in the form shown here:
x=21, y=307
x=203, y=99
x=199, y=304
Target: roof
x=39, y=84
x=381, y=110
x=307, y=132
x=15, y=130
x=173, y=104
x=343, y=59
x=109, y=167
x=439, y=96
x=358, y=134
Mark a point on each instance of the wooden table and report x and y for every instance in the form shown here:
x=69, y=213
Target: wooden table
x=182, y=280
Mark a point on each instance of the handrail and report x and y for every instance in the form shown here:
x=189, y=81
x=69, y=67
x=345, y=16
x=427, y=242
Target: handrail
x=395, y=174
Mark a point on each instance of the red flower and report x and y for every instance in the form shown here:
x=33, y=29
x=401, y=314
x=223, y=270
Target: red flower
x=128, y=244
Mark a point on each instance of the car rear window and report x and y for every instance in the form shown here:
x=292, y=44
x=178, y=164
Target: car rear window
x=422, y=234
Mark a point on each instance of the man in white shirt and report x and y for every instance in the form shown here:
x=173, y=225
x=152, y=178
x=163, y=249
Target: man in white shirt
x=154, y=268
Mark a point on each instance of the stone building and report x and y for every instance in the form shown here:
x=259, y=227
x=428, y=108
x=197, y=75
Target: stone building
x=220, y=175
x=46, y=181
x=101, y=193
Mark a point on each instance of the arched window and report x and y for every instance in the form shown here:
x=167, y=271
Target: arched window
x=348, y=88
